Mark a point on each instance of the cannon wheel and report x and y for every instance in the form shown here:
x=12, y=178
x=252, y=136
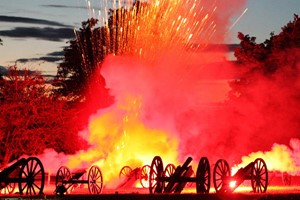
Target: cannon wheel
x=144, y=178
x=156, y=184
x=62, y=176
x=95, y=180
x=8, y=189
x=125, y=172
x=259, y=176
x=32, y=172
x=203, y=176
x=169, y=170
x=221, y=170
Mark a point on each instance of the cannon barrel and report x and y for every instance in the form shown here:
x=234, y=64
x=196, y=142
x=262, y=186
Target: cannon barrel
x=180, y=171
x=7, y=171
x=187, y=162
x=244, y=172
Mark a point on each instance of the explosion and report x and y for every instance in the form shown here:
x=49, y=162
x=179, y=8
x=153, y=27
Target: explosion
x=281, y=158
x=169, y=89
x=155, y=81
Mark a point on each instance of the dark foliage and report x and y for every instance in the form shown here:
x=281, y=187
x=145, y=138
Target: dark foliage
x=267, y=58
x=79, y=74
x=33, y=118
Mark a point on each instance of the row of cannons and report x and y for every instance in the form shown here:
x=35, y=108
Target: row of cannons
x=29, y=176
x=173, y=179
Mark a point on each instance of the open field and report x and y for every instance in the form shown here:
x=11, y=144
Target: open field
x=242, y=193
x=276, y=190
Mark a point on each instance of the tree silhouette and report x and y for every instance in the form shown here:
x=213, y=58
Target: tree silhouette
x=263, y=104
x=80, y=72
x=268, y=58
x=82, y=58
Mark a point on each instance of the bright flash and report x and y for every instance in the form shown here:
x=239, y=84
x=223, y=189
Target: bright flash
x=232, y=184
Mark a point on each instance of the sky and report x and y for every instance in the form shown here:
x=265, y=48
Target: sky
x=34, y=32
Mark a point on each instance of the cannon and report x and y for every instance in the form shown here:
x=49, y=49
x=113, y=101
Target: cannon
x=67, y=181
x=255, y=171
x=173, y=180
x=27, y=173
x=130, y=176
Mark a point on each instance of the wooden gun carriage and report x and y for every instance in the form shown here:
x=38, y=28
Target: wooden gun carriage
x=67, y=181
x=173, y=180
x=255, y=171
x=27, y=173
x=130, y=176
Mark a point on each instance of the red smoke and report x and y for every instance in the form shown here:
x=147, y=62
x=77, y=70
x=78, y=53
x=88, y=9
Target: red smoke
x=183, y=92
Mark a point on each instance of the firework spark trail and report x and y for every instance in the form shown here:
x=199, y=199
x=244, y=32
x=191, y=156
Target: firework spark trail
x=142, y=29
x=156, y=82
x=237, y=20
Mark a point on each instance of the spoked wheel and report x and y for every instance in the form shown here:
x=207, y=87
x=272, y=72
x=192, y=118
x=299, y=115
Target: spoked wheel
x=63, y=175
x=221, y=171
x=169, y=170
x=203, y=176
x=156, y=184
x=32, y=177
x=8, y=189
x=125, y=172
x=95, y=180
x=259, y=176
x=144, y=178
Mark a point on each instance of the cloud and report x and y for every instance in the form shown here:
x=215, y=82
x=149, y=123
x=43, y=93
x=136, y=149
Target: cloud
x=46, y=33
x=3, y=70
x=54, y=31
x=64, y=6
x=14, y=19
x=50, y=57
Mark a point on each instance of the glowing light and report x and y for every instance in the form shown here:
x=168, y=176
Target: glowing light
x=278, y=152
x=232, y=184
x=119, y=138
x=118, y=135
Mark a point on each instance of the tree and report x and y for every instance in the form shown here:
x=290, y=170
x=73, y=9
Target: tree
x=81, y=60
x=33, y=118
x=267, y=59
x=80, y=72
x=264, y=100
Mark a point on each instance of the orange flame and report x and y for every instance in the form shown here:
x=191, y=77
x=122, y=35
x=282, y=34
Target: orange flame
x=281, y=158
x=118, y=138
x=118, y=135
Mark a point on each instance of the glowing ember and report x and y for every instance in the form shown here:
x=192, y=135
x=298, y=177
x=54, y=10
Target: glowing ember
x=232, y=184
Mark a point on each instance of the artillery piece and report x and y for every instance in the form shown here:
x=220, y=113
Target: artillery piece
x=27, y=173
x=132, y=175
x=255, y=171
x=66, y=181
x=176, y=179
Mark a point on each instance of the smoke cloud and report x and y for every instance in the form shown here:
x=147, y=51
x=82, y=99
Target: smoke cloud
x=186, y=98
x=181, y=93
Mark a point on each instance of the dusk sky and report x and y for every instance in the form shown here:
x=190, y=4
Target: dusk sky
x=35, y=30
